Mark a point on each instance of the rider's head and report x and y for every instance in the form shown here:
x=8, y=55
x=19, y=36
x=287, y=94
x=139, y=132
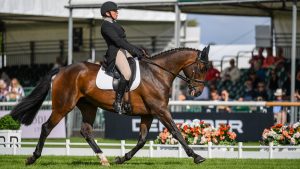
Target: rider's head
x=109, y=9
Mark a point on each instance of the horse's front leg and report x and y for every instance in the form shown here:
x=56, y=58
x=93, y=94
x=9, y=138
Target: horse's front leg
x=167, y=120
x=144, y=129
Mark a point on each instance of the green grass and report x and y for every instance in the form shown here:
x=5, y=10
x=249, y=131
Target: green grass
x=63, y=162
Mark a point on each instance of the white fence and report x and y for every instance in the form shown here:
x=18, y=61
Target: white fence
x=156, y=150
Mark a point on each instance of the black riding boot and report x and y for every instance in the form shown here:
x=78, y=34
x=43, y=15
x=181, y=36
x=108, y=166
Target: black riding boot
x=119, y=96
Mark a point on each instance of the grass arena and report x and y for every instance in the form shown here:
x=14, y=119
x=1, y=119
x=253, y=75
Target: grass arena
x=69, y=70
x=63, y=162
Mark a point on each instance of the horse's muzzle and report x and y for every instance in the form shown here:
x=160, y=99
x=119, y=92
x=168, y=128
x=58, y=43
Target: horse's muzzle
x=194, y=93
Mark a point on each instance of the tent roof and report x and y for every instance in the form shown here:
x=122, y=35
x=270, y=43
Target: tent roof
x=216, y=7
x=55, y=11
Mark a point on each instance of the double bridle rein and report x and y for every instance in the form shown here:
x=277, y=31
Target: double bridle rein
x=190, y=81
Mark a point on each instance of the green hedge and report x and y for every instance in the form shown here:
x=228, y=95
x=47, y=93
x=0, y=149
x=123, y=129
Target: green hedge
x=8, y=123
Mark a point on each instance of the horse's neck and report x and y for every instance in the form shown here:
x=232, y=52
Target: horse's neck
x=174, y=62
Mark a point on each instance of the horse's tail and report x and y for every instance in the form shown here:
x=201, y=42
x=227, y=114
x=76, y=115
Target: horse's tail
x=26, y=110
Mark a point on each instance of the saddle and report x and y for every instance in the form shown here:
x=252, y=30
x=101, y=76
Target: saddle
x=109, y=80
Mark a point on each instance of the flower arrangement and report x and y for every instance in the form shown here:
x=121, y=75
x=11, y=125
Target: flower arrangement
x=199, y=133
x=282, y=135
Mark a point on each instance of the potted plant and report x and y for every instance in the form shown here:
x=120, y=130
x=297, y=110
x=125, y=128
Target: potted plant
x=9, y=130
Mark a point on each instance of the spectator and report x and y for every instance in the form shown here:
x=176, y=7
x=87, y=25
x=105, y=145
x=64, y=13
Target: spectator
x=297, y=95
x=261, y=94
x=286, y=85
x=181, y=96
x=253, y=77
x=280, y=59
x=212, y=73
x=3, y=90
x=204, y=95
x=214, y=96
x=249, y=92
x=270, y=59
x=224, y=97
x=257, y=59
x=297, y=85
x=4, y=76
x=58, y=63
x=15, y=90
x=279, y=112
x=231, y=73
x=273, y=82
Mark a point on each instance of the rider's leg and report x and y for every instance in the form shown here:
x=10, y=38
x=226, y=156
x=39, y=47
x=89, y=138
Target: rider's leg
x=123, y=66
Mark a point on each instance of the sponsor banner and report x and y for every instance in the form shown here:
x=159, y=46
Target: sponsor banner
x=34, y=130
x=248, y=126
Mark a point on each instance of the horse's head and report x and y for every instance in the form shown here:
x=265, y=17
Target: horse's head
x=196, y=73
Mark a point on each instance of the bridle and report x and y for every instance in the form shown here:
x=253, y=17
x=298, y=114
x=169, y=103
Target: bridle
x=202, y=58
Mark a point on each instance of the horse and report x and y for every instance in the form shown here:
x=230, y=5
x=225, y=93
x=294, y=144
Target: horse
x=74, y=85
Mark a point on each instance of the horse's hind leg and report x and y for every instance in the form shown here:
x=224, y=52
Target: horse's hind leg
x=144, y=129
x=46, y=129
x=88, y=117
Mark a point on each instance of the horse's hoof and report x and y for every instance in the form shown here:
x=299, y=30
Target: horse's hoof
x=105, y=163
x=119, y=160
x=199, y=159
x=30, y=160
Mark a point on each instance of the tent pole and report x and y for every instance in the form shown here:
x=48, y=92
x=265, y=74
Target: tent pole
x=293, y=59
x=176, y=82
x=70, y=38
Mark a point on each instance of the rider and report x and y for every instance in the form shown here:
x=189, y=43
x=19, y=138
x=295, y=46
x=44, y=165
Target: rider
x=119, y=49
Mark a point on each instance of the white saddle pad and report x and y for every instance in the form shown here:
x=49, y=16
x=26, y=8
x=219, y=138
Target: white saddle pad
x=104, y=81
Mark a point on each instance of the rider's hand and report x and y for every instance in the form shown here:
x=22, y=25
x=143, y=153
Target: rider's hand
x=138, y=53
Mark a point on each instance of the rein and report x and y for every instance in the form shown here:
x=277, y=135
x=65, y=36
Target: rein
x=186, y=79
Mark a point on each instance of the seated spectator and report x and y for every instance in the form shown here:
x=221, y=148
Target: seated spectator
x=3, y=90
x=212, y=73
x=241, y=108
x=270, y=59
x=273, y=83
x=58, y=63
x=280, y=60
x=4, y=76
x=257, y=59
x=261, y=92
x=297, y=85
x=204, y=95
x=253, y=77
x=231, y=73
x=224, y=97
x=15, y=90
x=279, y=111
x=249, y=92
x=214, y=96
x=286, y=85
x=181, y=96
x=297, y=95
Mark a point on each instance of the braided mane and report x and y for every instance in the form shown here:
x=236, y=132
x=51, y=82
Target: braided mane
x=173, y=51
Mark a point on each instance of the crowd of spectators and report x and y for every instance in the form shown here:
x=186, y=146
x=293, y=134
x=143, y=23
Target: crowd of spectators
x=267, y=79
x=11, y=90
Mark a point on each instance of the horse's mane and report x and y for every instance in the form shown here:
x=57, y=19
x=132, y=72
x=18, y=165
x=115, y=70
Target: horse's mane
x=174, y=50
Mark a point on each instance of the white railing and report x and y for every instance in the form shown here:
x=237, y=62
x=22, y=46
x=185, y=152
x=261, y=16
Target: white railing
x=155, y=150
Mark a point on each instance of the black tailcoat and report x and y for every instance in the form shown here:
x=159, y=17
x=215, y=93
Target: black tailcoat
x=115, y=38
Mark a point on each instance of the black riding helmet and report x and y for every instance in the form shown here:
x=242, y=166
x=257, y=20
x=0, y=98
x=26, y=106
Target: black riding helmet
x=108, y=6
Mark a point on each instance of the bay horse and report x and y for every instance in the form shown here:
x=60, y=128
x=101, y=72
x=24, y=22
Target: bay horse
x=74, y=85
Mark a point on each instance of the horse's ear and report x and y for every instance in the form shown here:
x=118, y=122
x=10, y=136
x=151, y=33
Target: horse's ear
x=204, y=54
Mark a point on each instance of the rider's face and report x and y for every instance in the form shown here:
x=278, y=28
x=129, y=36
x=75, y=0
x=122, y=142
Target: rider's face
x=114, y=15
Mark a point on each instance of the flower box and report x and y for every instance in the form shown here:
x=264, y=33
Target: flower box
x=282, y=135
x=10, y=136
x=9, y=131
x=199, y=133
